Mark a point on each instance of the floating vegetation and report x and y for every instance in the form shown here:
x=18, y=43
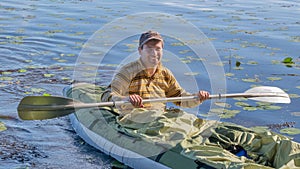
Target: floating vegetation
x=249, y=108
x=191, y=73
x=295, y=113
x=295, y=38
x=184, y=51
x=294, y=95
x=178, y=44
x=274, y=78
x=252, y=63
x=222, y=104
x=252, y=80
x=242, y=104
x=225, y=113
x=49, y=75
x=258, y=106
x=288, y=62
x=290, y=131
x=229, y=74
x=2, y=126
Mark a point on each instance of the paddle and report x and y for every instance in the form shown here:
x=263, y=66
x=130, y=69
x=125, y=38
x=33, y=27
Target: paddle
x=47, y=107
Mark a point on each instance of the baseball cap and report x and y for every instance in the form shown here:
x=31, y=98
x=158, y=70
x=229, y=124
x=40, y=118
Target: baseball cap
x=145, y=37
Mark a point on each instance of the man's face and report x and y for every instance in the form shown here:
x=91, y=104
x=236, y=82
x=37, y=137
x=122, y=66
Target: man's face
x=151, y=53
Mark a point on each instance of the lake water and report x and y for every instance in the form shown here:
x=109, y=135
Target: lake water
x=41, y=41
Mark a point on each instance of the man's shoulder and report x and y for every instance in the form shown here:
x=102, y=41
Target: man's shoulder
x=131, y=66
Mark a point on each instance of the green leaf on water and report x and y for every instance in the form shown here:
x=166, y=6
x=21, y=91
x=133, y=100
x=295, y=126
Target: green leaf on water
x=274, y=78
x=252, y=63
x=294, y=95
x=225, y=113
x=222, y=104
x=288, y=60
x=229, y=74
x=184, y=51
x=295, y=38
x=249, y=108
x=22, y=71
x=271, y=107
x=290, y=131
x=46, y=94
x=178, y=44
x=6, y=78
x=242, y=104
x=191, y=73
x=6, y=73
x=295, y=113
x=2, y=126
x=250, y=80
x=48, y=75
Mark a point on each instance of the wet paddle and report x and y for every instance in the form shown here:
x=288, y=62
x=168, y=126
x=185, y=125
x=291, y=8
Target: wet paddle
x=47, y=107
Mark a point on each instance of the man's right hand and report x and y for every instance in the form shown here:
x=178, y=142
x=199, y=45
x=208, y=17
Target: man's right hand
x=136, y=100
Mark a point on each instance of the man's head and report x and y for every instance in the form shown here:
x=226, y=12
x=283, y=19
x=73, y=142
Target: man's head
x=150, y=49
x=150, y=35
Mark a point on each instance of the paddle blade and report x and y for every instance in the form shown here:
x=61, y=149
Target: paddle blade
x=270, y=94
x=44, y=107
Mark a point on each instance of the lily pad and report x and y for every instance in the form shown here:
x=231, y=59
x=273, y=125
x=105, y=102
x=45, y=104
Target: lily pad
x=252, y=63
x=294, y=95
x=2, y=126
x=250, y=80
x=295, y=113
x=249, y=108
x=48, y=75
x=225, y=113
x=229, y=74
x=272, y=107
x=22, y=71
x=290, y=131
x=191, y=73
x=295, y=38
x=288, y=60
x=6, y=78
x=274, y=78
x=222, y=104
x=242, y=104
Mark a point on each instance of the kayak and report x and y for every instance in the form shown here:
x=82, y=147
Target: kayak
x=90, y=125
x=152, y=145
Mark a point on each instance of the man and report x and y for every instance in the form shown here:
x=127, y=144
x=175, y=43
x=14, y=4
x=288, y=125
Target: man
x=147, y=78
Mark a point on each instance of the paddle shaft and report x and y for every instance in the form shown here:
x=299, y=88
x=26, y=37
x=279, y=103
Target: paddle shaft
x=79, y=105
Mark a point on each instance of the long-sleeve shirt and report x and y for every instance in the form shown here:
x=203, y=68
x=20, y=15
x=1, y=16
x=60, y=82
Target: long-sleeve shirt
x=133, y=78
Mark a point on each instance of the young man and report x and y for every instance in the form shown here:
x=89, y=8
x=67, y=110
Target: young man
x=147, y=78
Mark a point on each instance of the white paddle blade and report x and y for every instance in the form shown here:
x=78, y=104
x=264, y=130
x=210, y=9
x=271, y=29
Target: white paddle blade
x=272, y=94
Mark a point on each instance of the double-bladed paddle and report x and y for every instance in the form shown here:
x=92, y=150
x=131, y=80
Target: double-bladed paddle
x=47, y=107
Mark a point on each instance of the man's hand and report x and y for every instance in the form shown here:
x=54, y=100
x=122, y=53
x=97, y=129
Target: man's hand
x=203, y=95
x=136, y=100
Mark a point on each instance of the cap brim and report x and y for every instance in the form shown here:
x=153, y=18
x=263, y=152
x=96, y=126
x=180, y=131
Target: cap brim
x=152, y=38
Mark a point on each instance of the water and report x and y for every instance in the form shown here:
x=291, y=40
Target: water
x=40, y=41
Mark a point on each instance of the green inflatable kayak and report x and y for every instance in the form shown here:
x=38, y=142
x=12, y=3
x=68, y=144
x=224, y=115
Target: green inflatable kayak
x=176, y=139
